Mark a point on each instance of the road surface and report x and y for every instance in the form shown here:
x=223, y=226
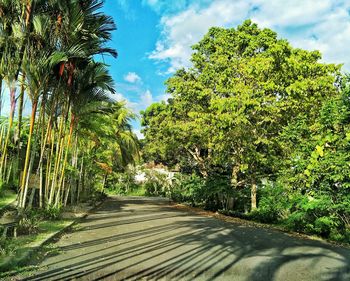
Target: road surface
x=134, y=238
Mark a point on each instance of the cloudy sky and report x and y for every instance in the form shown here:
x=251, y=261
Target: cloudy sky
x=153, y=38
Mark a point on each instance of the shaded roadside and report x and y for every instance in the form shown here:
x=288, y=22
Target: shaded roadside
x=134, y=238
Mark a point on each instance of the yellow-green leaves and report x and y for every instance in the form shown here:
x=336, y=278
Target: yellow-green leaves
x=319, y=150
x=347, y=136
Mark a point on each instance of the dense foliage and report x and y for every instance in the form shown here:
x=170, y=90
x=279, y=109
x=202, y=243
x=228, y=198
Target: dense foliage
x=76, y=135
x=257, y=124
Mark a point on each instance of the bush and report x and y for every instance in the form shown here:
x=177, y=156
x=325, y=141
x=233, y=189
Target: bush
x=121, y=183
x=263, y=215
x=157, y=183
x=273, y=203
x=317, y=215
x=51, y=213
x=28, y=225
x=6, y=247
x=188, y=188
x=235, y=214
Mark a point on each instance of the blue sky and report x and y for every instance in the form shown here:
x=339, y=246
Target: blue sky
x=153, y=38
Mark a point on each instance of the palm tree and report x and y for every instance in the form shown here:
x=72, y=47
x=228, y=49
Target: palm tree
x=9, y=60
x=94, y=86
x=48, y=49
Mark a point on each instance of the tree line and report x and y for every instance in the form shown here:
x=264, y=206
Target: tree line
x=259, y=127
x=76, y=133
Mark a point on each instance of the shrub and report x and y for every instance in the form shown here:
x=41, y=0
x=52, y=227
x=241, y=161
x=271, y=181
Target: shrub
x=121, y=183
x=28, y=225
x=157, y=183
x=51, y=213
x=274, y=204
x=317, y=215
x=188, y=188
x=7, y=248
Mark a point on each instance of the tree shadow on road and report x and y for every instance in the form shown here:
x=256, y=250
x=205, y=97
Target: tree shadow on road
x=175, y=245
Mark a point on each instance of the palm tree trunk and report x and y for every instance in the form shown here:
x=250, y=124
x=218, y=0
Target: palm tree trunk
x=41, y=188
x=12, y=112
x=58, y=157
x=74, y=180
x=28, y=152
x=80, y=184
x=71, y=128
x=43, y=145
x=48, y=167
x=57, y=161
x=19, y=128
x=0, y=94
x=31, y=197
x=39, y=171
x=66, y=195
x=20, y=112
x=28, y=17
x=2, y=142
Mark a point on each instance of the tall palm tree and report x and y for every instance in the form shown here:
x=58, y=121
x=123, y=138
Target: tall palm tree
x=47, y=47
x=9, y=38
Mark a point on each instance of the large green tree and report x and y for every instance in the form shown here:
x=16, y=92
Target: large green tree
x=227, y=111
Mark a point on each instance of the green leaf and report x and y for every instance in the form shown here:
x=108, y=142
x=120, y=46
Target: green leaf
x=307, y=172
x=319, y=150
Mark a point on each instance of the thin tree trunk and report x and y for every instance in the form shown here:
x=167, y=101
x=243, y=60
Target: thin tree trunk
x=0, y=95
x=12, y=112
x=20, y=111
x=104, y=181
x=80, y=178
x=2, y=141
x=27, y=183
x=57, y=160
x=43, y=145
x=28, y=17
x=66, y=195
x=19, y=129
x=253, y=195
x=74, y=180
x=55, y=188
x=41, y=188
x=48, y=167
x=71, y=128
x=28, y=151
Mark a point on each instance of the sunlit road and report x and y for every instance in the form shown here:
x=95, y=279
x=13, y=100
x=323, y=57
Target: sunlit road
x=133, y=238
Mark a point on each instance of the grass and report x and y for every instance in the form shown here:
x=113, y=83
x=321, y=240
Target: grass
x=133, y=191
x=6, y=198
x=17, y=250
x=31, y=268
x=140, y=191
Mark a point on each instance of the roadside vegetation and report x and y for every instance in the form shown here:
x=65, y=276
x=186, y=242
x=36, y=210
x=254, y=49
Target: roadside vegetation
x=76, y=133
x=255, y=129
x=259, y=130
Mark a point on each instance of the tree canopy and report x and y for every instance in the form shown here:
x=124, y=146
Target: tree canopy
x=255, y=109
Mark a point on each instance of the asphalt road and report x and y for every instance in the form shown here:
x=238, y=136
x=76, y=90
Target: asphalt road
x=133, y=238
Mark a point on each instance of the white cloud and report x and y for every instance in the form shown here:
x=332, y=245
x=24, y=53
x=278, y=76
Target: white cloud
x=139, y=135
x=129, y=104
x=132, y=77
x=163, y=97
x=142, y=101
x=182, y=30
x=290, y=13
x=324, y=25
x=146, y=99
